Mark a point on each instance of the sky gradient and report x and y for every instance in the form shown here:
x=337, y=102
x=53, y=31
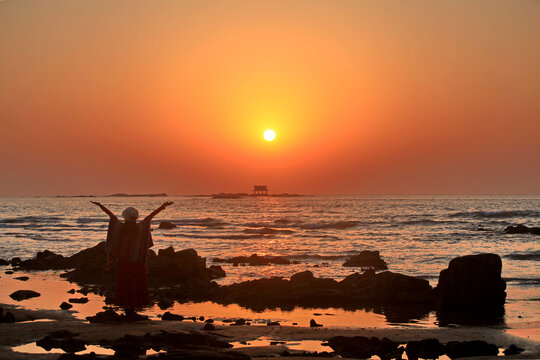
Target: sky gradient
x=366, y=97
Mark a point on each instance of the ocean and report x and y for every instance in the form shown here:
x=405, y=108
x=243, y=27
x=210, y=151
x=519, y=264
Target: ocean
x=415, y=235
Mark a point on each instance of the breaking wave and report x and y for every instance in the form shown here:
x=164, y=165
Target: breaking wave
x=497, y=214
x=535, y=255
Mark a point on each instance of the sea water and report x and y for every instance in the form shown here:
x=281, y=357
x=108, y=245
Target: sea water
x=416, y=235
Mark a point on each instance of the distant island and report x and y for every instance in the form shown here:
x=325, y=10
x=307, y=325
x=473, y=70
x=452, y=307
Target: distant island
x=113, y=195
x=243, y=195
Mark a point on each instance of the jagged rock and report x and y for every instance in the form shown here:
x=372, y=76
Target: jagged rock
x=166, y=225
x=273, y=323
x=472, y=281
x=457, y=349
x=65, y=306
x=426, y=349
x=20, y=295
x=69, y=345
x=367, y=258
x=304, y=276
x=166, y=252
x=522, y=229
x=313, y=323
x=4, y=262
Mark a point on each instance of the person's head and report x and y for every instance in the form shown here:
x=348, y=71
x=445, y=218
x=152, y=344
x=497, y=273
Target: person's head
x=130, y=214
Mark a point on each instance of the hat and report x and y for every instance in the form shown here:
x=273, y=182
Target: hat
x=130, y=214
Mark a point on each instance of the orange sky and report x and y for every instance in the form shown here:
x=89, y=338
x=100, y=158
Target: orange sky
x=98, y=97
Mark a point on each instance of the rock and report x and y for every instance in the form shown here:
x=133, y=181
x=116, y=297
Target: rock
x=166, y=252
x=22, y=278
x=522, y=229
x=23, y=295
x=82, y=300
x=239, y=322
x=216, y=271
x=425, y=349
x=69, y=345
x=62, y=334
x=164, y=304
x=273, y=323
x=15, y=261
x=7, y=317
x=4, y=262
x=166, y=225
x=367, y=258
x=65, y=306
x=313, y=323
x=108, y=316
x=8, y=272
x=513, y=350
x=457, y=349
x=72, y=291
x=304, y=276
x=168, y=316
x=472, y=281
x=363, y=347
x=209, y=327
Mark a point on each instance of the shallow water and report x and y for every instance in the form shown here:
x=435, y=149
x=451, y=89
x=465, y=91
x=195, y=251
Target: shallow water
x=416, y=235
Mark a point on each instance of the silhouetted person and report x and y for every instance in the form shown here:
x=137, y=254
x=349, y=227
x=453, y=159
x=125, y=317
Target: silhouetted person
x=128, y=242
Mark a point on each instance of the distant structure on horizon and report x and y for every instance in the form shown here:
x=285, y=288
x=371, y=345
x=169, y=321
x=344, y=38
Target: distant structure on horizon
x=260, y=190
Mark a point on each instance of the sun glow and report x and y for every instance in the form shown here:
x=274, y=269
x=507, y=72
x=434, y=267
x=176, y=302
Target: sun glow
x=269, y=135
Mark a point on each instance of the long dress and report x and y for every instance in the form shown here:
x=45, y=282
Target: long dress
x=129, y=243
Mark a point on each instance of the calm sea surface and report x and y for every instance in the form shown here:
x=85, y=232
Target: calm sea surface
x=416, y=235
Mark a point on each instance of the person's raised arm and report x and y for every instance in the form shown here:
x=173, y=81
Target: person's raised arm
x=158, y=210
x=107, y=211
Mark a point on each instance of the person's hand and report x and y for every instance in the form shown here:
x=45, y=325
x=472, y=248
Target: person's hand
x=165, y=204
x=96, y=203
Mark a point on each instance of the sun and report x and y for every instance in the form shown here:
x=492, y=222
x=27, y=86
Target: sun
x=269, y=135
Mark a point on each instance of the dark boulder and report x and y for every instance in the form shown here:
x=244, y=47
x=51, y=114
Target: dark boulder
x=216, y=271
x=164, y=304
x=362, y=347
x=425, y=349
x=69, y=345
x=472, y=281
x=166, y=225
x=522, y=229
x=166, y=252
x=209, y=327
x=513, y=350
x=65, y=306
x=20, y=295
x=4, y=262
x=366, y=259
x=313, y=323
x=45, y=260
x=108, y=316
x=22, y=278
x=457, y=349
x=168, y=316
x=82, y=300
